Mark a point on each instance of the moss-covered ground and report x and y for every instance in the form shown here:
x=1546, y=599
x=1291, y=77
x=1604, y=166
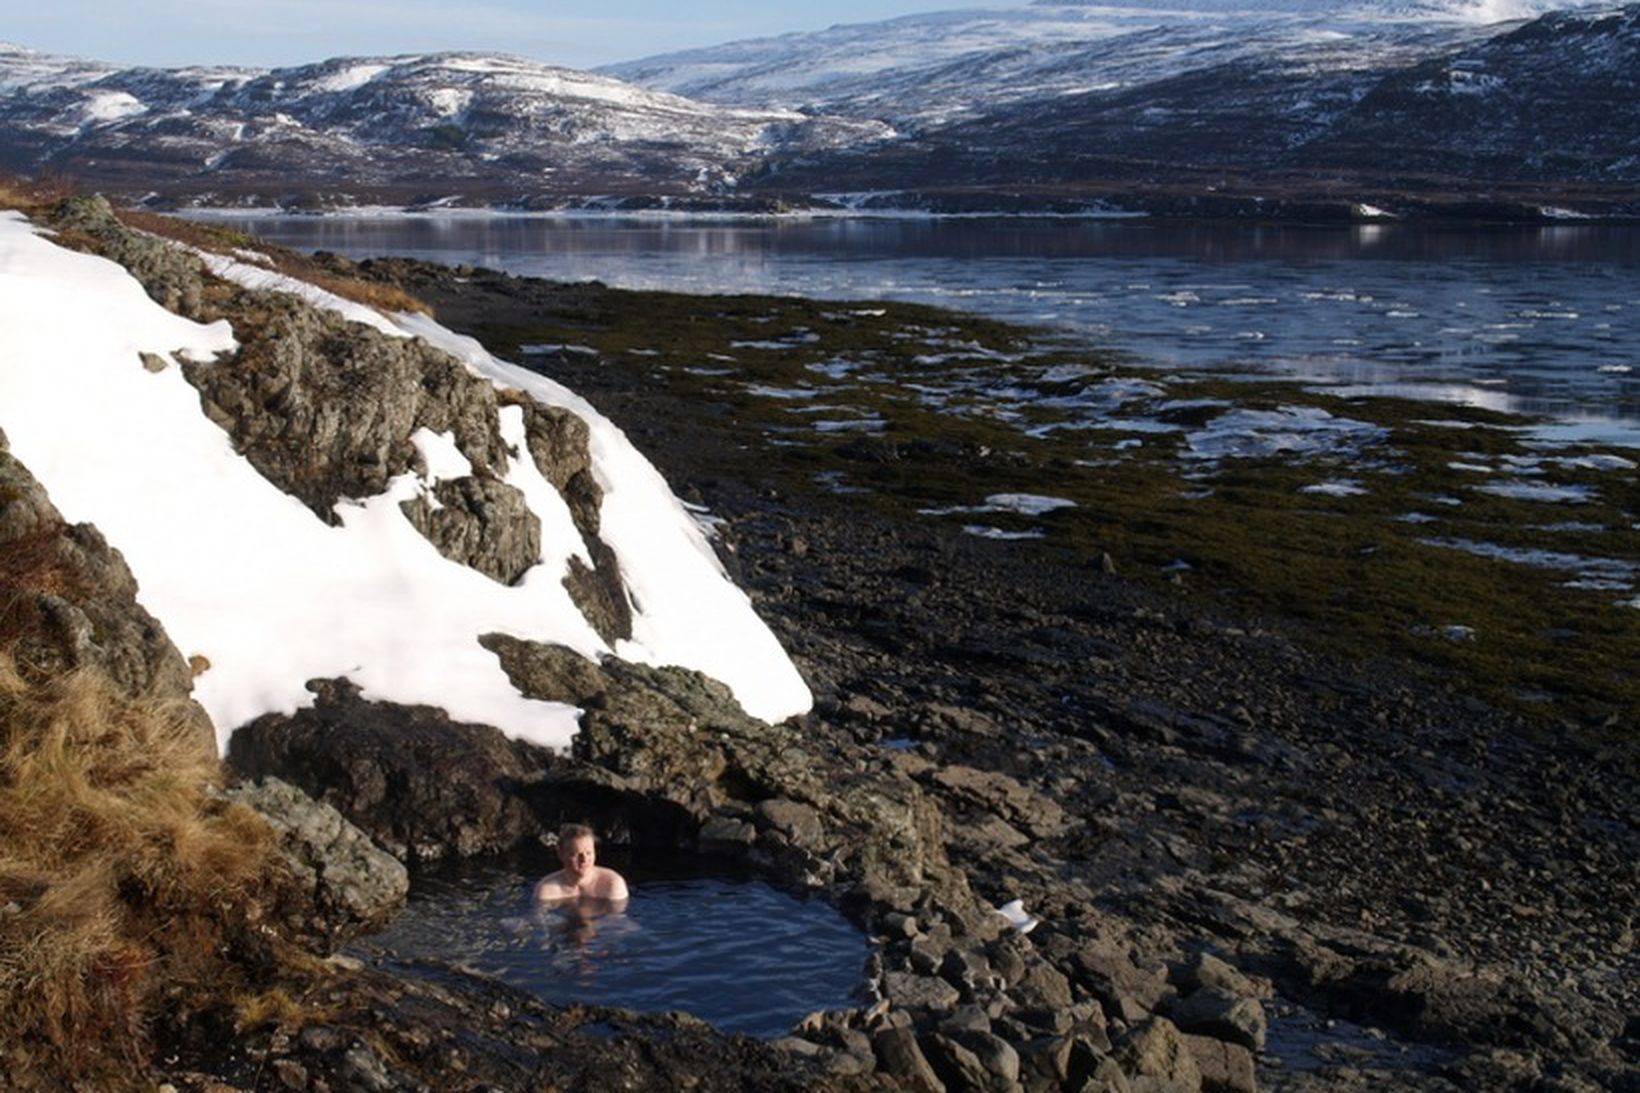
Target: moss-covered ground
x=917, y=408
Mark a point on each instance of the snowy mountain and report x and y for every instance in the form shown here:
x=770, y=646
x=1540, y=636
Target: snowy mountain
x=932, y=68
x=306, y=488
x=396, y=127
x=1234, y=107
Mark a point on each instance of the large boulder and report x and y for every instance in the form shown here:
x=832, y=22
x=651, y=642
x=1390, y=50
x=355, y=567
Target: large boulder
x=351, y=883
x=421, y=785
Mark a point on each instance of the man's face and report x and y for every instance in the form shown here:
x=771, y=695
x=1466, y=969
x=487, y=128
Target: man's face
x=577, y=856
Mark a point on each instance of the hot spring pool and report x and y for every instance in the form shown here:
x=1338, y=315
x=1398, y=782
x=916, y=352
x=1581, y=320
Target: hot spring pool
x=730, y=949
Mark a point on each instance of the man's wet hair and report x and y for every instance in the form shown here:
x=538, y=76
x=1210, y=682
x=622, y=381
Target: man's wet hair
x=570, y=832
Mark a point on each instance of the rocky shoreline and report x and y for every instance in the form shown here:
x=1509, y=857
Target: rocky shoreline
x=1256, y=857
x=1255, y=865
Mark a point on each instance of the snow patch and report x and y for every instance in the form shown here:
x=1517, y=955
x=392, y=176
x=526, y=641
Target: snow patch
x=244, y=575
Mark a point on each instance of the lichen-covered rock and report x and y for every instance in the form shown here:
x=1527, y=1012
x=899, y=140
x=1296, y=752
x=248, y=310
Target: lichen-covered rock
x=481, y=523
x=422, y=786
x=353, y=884
x=550, y=673
x=325, y=408
x=677, y=735
x=171, y=276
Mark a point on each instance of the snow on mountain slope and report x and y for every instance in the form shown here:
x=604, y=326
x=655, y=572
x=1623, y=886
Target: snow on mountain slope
x=372, y=120
x=929, y=69
x=247, y=577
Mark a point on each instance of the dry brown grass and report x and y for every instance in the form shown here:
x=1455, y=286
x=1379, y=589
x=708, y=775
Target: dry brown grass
x=225, y=241
x=31, y=195
x=125, y=884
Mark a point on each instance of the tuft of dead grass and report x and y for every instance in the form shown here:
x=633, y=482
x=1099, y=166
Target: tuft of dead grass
x=125, y=883
x=30, y=195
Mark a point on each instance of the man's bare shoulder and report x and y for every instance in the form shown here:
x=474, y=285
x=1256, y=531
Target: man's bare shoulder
x=552, y=887
x=609, y=885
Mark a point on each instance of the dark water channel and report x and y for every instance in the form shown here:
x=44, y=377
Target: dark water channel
x=704, y=938
x=1541, y=319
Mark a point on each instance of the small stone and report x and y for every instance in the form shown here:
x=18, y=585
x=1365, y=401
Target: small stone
x=723, y=832
x=1156, y=1051
x=911, y=991
x=956, y=1066
x=291, y=1074
x=997, y=1055
x=1225, y=1067
x=899, y=1054
x=897, y=925
x=798, y=1046
x=1214, y=1011
x=797, y=821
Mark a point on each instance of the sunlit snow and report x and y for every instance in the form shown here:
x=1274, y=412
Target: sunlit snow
x=246, y=577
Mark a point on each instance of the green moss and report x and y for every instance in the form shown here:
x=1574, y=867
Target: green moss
x=1347, y=573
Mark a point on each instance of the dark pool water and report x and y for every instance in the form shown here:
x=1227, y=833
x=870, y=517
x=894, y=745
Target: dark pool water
x=727, y=948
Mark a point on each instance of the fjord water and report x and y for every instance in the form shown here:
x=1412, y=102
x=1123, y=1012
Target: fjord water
x=1539, y=319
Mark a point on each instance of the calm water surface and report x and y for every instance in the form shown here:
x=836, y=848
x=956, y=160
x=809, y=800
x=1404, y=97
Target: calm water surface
x=732, y=950
x=1535, y=319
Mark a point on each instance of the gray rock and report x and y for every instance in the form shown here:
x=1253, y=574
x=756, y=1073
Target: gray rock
x=959, y=1068
x=998, y=1056
x=354, y=885
x=421, y=785
x=798, y=822
x=899, y=1055
x=1156, y=1059
x=481, y=523
x=1225, y=1067
x=919, y=992
x=1214, y=1011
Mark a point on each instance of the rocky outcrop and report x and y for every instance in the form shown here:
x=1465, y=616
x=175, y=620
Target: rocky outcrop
x=350, y=884
x=67, y=599
x=325, y=408
x=417, y=783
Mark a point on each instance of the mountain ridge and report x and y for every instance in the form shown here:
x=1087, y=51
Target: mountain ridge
x=1052, y=106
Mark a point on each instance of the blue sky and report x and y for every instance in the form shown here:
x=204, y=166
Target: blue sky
x=279, y=32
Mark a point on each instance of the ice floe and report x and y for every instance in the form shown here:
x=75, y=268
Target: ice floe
x=1295, y=430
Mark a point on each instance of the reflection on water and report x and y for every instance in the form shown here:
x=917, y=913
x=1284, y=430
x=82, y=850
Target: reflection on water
x=734, y=951
x=1545, y=319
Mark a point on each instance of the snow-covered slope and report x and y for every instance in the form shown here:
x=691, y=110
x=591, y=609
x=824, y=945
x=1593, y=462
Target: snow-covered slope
x=414, y=122
x=933, y=68
x=270, y=596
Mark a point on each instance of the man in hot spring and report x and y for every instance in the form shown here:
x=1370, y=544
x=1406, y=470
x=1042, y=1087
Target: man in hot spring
x=581, y=878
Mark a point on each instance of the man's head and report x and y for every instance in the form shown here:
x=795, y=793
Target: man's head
x=577, y=849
